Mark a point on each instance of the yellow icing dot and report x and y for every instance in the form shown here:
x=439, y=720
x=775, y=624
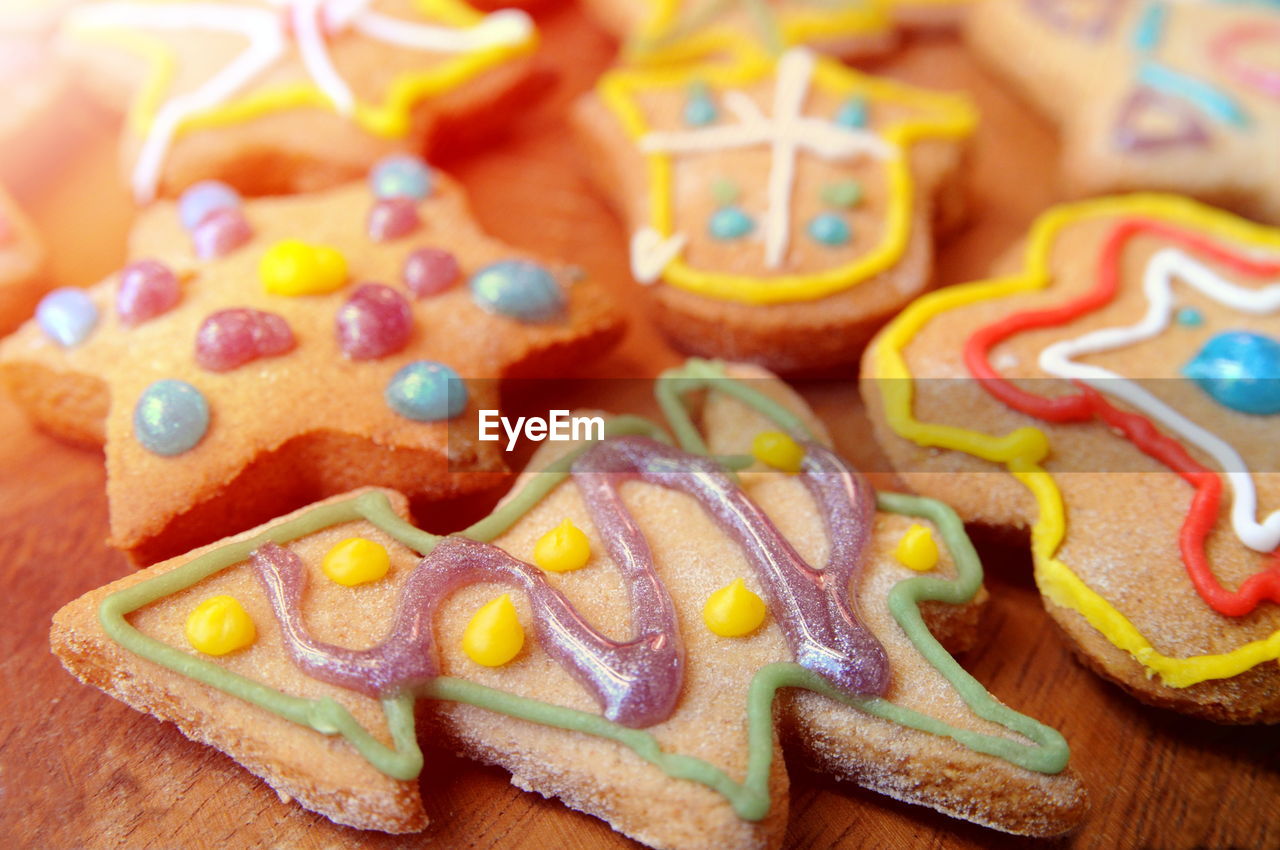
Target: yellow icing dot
x=778, y=450
x=734, y=610
x=294, y=267
x=917, y=549
x=494, y=636
x=220, y=625
x=562, y=549
x=356, y=561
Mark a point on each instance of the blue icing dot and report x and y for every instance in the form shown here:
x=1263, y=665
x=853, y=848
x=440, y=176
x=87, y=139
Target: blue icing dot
x=203, y=198
x=67, y=316
x=521, y=289
x=829, y=229
x=171, y=417
x=1189, y=317
x=426, y=391
x=401, y=176
x=1241, y=370
x=730, y=223
x=852, y=113
x=700, y=109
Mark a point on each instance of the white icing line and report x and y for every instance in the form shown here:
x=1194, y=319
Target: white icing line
x=314, y=50
x=499, y=29
x=650, y=253
x=1157, y=285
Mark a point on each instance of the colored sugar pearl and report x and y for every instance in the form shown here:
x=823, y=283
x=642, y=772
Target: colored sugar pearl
x=829, y=229
x=430, y=271
x=520, y=289
x=426, y=391
x=67, y=316
x=203, y=198
x=220, y=626
x=221, y=232
x=724, y=191
x=734, y=610
x=843, y=194
x=730, y=223
x=392, y=218
x=1240, y=370
x=171, y=417
x=231, y=338
x=917, y=550
x=356, y=561
x=1189, y=317
x=700, y=109
x=778, y=450
x=852, y=113
x=147, y=289
x=374, y=322
x=294, y=267
x=401, y=176
x=494, y=635
x=562, y=549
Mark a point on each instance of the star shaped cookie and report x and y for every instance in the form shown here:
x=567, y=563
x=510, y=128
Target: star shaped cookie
x=266, y=352
x=617, y=634
x=1179, y=97
x=276, y=96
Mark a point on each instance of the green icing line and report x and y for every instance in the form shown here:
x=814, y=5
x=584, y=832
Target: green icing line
x=750, y=798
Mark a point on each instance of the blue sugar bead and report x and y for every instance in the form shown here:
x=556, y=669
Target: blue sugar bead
x=67, y=316
x=519, y=289
x=829, y=229
x=426, y=391
x=203, y=198
x=1189, y=317
x=401, y=176
x=1240, y=370
x=171, y=417
x=852, y=113
x=730, y=223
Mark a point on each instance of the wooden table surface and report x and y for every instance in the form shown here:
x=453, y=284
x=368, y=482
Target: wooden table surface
x=78, y=769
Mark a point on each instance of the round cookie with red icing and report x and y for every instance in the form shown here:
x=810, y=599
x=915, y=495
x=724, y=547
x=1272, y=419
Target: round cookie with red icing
x=779, y=209
x=21, y=265
x=1177, y=97
x=1127, y=373
x=254, y=355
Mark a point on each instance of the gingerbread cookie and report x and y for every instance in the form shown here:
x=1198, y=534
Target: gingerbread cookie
x=275, y=97
x=262, y=354
x=1179, y=97
x=21, y=264
x=781, y=210
x=1128, y=376
x=615, y=635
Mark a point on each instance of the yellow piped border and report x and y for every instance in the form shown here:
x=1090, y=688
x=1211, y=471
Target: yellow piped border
x=1022, y=450
x=955, y=119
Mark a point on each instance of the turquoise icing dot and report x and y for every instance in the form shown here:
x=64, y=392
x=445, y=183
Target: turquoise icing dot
x=852, y=113
x=401, y=176
x=730, y=223
x=67, y=316
x=521, y=289
x=700, y=109
x=426, y=391
x=1240, y=370
x=829, y=229
x=171, y=417
x=1189, y=317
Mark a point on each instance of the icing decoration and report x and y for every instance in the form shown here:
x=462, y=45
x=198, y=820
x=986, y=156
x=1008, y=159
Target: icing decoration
x=700, y=110
x=430, y=271
x=1150, y=28
x=294, y=267
x=829, y=229
x=171, y=417
x=1225, y=50
x=494, y=635
x=203, y=198
x=917, y=549
x=1022, y=451
x=734, y=610
x=401, y=176
x=1068, y=17
x=1240, y=370
x=730, y=223
x=147, y=289
x=1189, y=317
x=392, y=218
x=778, y=450
x=221, y=232
x=220, y=626
x=67, y=316
x=844, y=194
x=562, y=549
x=1206, y=96
x=853, y=113
x=789, y=134
x=426, y=391
x=518, y=289
x=356, y=561
x=1130, y=135
x=228, y=339
x=472, y=43
x=374, y=322
x=725, y=191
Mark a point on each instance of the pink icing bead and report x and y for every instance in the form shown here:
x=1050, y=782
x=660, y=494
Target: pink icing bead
x=430, y=271
x=220, y=232
x=147, y=289
x=231, y=338
x=392, y=218
x=375, y=321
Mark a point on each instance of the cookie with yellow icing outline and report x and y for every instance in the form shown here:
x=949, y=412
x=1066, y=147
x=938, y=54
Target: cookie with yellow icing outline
x=21, y=265
x=617, y=642
x=1178, y=97
x=257, y=355
x=779, y=211
x=276, y=97
x=1127, y=373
